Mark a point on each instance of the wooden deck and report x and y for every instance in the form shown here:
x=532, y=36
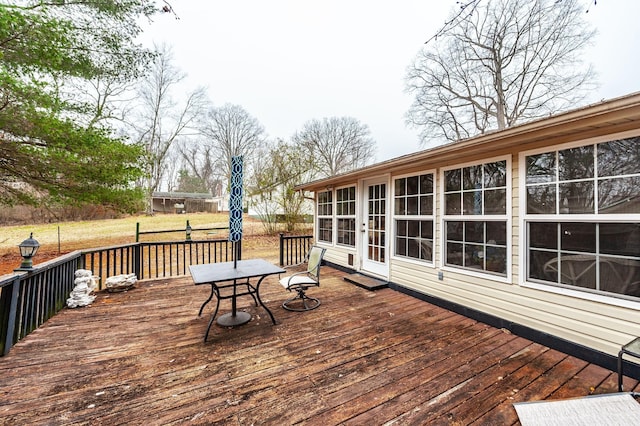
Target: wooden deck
x=362, y=358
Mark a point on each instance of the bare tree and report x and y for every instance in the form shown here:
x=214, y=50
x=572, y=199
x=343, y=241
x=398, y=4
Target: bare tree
x=498, y=63
x=161, y=120
x=276, y=171
x=198, y=156
x=110, y=99
x=337, y=144
x=230, y=131
x=172, y=168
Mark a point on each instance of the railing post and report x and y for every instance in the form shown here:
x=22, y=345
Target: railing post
x=281, y=249
x=11, y=312
x=137, y=260
x=137, y=232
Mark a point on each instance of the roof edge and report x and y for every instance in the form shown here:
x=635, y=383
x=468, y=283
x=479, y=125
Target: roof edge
x=589, y=112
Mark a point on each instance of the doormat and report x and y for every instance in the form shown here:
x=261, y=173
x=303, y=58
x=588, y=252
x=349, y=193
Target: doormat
x=366, y=282
x=609, y=409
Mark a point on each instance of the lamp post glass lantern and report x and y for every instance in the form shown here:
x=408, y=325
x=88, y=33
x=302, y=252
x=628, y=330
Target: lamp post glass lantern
x=28, y=249
x=188, y=232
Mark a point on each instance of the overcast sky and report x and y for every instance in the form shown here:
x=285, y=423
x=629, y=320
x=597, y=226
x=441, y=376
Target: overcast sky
x=289, y=61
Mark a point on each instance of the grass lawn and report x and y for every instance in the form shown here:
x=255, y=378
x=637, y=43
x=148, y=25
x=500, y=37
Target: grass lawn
x=64, y=237
x=74, y=235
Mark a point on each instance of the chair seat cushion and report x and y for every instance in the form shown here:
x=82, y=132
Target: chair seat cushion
x=297, y=280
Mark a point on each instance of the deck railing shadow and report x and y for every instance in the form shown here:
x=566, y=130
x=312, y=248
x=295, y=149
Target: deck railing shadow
x=29, y=298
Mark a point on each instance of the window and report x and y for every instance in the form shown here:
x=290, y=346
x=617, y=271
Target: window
x=325, y=216
x=475, y=219
x=346, y=216
x=477, y=245
x=578, y=208
x=413, y=211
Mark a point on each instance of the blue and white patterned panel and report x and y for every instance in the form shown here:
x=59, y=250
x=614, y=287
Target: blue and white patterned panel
x=235, y=200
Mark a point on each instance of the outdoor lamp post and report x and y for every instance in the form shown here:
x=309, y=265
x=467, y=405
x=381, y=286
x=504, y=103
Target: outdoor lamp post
x=188, y=232
x=28, y=249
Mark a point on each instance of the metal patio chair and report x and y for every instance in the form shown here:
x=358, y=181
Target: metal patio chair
x=300, y=282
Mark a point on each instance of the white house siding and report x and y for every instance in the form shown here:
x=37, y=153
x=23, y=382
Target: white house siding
x=338, y=255
x=600, y=326
x=603, y=326
x=603, y=323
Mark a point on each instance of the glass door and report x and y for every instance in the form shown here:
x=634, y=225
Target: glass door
x=374, y=257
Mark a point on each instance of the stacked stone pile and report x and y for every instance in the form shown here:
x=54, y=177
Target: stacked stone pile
x=84, y=284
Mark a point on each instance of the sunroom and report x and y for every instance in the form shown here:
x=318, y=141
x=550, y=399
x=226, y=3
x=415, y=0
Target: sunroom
x=535, y=229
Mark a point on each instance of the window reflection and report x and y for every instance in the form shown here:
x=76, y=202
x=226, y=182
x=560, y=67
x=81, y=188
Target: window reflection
x=412, y=185
x=576, y=163
x=472, y=177
x=472, y=202
x=400, y=206
x=400, y=187
x=452, y=180
x=541, y=168
x=452, y=202
x=495, y=201
x=576, y=197
x=454, y=230
x=495, y=174
x=426, y=204
x=619, y=195
x=617, y=185
x=620, y=157
x=483, y=189
x=541, y=199
x=426, y=183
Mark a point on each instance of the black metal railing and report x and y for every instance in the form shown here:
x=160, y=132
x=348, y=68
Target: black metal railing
x=109, y=261
x=156, y=259
x=187, y=230
x=172, y=259
x=293, y=248
x=28, y=299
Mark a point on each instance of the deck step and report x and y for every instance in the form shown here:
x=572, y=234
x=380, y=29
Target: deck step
x=366, y=282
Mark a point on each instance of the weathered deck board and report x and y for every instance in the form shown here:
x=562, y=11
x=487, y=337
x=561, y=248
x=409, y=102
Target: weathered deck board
x=361, y=358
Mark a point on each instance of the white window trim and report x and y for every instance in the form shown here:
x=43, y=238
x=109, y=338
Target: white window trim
x=601, y=218
x=333, y=220
x=507, y=217
x=428, y=263
x=354, y=217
